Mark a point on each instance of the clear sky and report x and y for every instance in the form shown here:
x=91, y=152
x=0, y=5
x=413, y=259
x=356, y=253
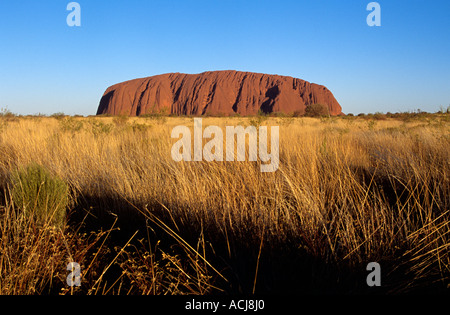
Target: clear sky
x=402, y=65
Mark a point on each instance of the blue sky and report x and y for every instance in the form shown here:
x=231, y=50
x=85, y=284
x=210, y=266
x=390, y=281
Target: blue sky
x=48, y=67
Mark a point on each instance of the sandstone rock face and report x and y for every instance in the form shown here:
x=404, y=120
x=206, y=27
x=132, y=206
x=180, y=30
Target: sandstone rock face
x=215, y=93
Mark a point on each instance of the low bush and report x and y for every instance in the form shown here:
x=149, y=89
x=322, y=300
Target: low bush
x=317, y=110
x=39, y=196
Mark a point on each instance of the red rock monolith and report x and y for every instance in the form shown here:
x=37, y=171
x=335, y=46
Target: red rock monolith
x=215, y=93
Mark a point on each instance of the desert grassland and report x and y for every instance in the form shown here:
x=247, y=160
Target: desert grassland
x=348, y=191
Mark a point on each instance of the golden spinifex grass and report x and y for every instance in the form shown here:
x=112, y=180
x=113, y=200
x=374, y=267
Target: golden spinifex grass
x=348, y=191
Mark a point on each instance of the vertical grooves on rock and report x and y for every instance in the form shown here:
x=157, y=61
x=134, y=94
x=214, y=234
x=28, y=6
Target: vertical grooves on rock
x=209, y=98
x=215, y=92
x=139, y=103
x=238, y=96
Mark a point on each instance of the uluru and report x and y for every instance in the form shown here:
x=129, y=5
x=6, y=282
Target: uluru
x=215, y=93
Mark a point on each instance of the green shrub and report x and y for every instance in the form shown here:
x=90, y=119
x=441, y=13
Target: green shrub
x=70, y=124
x=7, y=115
x=317, y=110
x=298, y=113
x=99, y=128
x=379, y=116
x=58, y=116
x=139, y=127
x=258, y=119
x=41, y=197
